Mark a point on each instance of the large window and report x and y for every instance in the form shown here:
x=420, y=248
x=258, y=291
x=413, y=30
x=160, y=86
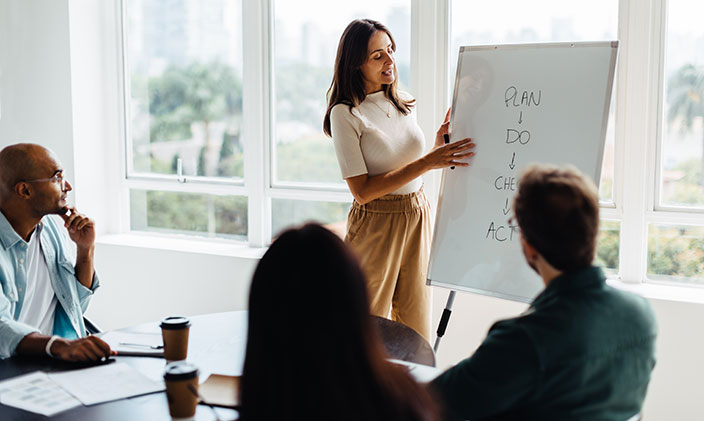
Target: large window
x=186, y=109
x=184, y=78
x=224, y=101
x=676, y=250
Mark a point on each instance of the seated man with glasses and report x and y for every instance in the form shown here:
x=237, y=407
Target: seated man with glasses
x=46, y=261
x=583, y=350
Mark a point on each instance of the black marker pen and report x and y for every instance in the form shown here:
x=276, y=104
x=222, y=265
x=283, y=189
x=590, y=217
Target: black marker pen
x=447, y=140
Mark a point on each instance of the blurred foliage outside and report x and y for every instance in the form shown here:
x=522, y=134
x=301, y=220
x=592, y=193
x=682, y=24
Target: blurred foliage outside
x=607, y=245
x=309, y=159
x=194, y=114
x=676, y=253
x=685, y=100
x=687, y=190
x=286, y=213
x=205, y=214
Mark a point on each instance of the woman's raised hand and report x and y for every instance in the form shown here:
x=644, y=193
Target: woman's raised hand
x=448, y=155
x=443, y=130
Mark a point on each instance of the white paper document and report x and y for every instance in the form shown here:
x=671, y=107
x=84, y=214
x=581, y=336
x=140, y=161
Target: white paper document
x=421, y=373
x=139, y=344
x=36, y=392
x=105, y=383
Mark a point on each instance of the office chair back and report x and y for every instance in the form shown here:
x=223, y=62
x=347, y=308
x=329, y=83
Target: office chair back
x=403, y=343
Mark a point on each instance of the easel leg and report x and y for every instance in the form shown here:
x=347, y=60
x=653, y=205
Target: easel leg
x=444, y=320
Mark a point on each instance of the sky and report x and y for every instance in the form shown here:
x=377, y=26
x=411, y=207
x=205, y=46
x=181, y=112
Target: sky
x=497, y=15
x=333, y=16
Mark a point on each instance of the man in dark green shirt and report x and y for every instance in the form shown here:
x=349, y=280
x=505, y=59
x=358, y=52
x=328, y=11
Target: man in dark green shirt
x=583, y=350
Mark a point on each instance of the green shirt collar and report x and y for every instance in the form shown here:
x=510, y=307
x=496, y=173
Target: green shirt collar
x=589, y=277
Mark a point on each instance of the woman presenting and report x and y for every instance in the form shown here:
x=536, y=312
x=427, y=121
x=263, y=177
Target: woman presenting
x=379, y=147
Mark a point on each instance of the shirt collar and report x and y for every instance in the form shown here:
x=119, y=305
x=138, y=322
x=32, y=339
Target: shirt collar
x=591, y=276
x=8, y=235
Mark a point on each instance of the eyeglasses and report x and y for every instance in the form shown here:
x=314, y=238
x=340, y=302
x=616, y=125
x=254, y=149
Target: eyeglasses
x=57, y=178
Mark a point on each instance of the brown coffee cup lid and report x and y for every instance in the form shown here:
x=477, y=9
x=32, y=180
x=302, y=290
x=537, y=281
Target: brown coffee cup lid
x=180, y=370
x=175, y=322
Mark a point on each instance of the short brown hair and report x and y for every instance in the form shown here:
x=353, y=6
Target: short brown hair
x=557, y=209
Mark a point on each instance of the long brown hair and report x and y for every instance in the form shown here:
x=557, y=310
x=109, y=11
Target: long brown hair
x=312, y=347
x=347, y=85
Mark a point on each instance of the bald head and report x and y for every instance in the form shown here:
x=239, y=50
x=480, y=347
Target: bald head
x=23, y=161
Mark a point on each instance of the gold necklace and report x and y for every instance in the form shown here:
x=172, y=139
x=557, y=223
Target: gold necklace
x=388, y=112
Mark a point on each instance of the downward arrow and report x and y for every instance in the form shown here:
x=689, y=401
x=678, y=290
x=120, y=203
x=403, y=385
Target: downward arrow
x=507, y=209
x=520, y=118
x=512, y=165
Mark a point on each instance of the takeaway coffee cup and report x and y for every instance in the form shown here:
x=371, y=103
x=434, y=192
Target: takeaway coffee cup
x=181, y=380
x=174, y=331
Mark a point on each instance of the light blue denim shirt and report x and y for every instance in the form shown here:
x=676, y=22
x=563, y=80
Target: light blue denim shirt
x=60, y=255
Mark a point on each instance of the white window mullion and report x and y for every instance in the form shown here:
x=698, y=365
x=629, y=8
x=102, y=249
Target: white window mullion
x=641, y=41
x=123, y=223
x=429, y=56
x=256, y=46
x=675, y=218
x=176, y=187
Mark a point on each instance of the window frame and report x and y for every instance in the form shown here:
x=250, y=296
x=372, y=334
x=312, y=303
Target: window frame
x=638, y=132
x=649, y=53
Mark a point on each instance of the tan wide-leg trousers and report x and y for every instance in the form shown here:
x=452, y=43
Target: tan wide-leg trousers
x=391, y=236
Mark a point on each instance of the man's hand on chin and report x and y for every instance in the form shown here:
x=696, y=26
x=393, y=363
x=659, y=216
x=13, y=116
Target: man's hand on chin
x=81, y=229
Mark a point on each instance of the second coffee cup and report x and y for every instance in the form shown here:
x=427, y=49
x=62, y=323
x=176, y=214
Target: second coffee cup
x=181, y=379
x=174, y=331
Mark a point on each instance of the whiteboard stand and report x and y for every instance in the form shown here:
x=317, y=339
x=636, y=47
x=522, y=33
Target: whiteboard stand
x=444, y=319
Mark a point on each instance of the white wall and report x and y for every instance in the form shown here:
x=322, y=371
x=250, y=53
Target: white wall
x=95, y=90
x=35, y=76
x=38, y=92
x=141, y=284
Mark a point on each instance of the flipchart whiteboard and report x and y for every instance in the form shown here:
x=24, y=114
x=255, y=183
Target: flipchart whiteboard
x=522, y=104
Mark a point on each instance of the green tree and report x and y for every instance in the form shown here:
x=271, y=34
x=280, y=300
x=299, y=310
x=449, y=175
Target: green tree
x=684, y=96
x=167, y=94
x=687, y=189
x=300, y=93
x=231, y=157
x=213, y=92
x=201, y=169
x=294, y=160
x=196, y=93
x=174, y=163
x=677, y=252
x=607, y=247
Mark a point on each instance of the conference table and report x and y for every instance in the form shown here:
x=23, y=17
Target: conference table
x=216, y=344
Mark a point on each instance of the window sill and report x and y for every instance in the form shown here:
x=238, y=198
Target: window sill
x=653, y=291
x=211, y=247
